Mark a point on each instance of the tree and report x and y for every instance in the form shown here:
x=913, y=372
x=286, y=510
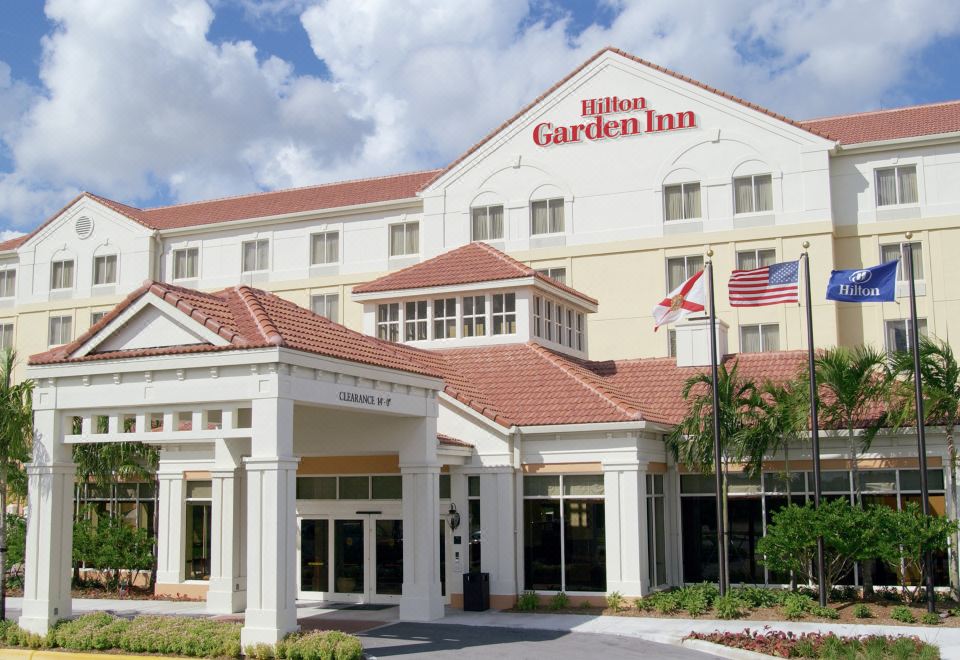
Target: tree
x=785, y=416
x=16, y=441
x=691, y=441
x=913, y=535
x=940, y=378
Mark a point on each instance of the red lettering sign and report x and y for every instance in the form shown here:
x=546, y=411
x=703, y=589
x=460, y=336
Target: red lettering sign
x=598, y=125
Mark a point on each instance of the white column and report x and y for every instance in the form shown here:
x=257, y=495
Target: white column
x=624, y=486
x=271, y=525
x=228, y=588
x=497, y=529
x=421, y=599
x=49, y=543
x=170, y=524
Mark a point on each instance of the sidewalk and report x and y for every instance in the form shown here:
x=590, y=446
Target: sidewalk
x=672, y=631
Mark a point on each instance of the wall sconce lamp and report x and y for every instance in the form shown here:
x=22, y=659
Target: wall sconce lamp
x=453, y=516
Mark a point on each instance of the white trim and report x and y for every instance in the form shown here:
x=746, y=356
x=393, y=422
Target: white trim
x=505, y=431
x=883, y=145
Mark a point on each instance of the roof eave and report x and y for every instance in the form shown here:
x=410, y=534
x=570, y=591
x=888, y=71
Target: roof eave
x=913, y=140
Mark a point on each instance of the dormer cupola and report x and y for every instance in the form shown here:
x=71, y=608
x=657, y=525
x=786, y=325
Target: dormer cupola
x=475, y=295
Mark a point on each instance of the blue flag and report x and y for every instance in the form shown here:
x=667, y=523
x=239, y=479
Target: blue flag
x=876, y=284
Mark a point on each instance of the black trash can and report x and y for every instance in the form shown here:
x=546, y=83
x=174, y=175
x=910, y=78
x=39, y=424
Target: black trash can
x=476, y=592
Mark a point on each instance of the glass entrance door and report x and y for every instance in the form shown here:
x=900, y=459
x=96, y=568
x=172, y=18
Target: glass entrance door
x=315, y=556
x=349, y=556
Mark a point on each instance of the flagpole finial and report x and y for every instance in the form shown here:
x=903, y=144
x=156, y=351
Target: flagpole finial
x=806, y=245
x=909, y=235
x=709, y=253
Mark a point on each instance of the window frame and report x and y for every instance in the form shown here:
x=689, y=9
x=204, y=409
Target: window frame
x=551, y=202
x=505, y=316
x=59, y=318
x=53, y=274
x=923, y=328
x=755, y=252
x=550, y=271
x=896, y=176
x=760, y=328
x=901, y=266
x=313, y=247
x=474, y=316
x=753, y=193
x=259, y=268
x=405, y=225
x=686, y=268
x=683, y=203
x=116, y=269
x=186, y=252
x=389, y=325
x=486, y=211
x=444, y=318
x=95, y=317
x=416, y=322
x=326, y=298
x=7, y=333
x=8, y=280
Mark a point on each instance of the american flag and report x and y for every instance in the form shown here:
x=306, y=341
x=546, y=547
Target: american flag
x=770, y=285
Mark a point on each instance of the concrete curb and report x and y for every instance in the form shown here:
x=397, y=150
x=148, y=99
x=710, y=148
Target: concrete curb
x=722, y=651
x=48, y=654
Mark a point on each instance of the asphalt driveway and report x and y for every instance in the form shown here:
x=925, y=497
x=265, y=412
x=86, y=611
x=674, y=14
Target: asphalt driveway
x=425, y=640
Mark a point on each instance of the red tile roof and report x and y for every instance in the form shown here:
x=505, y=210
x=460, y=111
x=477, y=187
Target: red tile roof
x=258, y=205
x=878, y=125
x=473, y=262
x=251, y=318
x=452, y=442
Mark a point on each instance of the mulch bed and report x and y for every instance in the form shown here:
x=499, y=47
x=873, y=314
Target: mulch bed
x=135, y=593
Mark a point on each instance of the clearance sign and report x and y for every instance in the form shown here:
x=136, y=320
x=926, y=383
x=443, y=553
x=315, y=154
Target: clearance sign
x=601, y=126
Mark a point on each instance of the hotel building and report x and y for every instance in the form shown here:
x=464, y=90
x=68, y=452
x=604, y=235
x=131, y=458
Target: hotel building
x=337, y=375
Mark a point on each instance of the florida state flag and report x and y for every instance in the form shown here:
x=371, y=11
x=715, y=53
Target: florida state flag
x=686, y=299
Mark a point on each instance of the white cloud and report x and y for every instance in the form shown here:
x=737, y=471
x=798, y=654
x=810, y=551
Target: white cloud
x=136, y=98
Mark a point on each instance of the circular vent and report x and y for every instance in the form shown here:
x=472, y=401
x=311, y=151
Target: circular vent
x=84, y=227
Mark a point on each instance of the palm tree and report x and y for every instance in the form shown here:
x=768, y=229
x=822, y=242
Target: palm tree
x=940, y=378
x=853, y=383
x=691, y=441
x=785, y=418
x=16, y=440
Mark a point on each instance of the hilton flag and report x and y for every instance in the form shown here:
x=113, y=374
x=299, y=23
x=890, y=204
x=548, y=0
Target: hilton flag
x=876, y=284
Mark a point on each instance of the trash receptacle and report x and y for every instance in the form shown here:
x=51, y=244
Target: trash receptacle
x=476, y=592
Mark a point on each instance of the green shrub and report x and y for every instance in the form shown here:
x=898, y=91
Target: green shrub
x=559, y=602
x=615, y=600
x=528, y=601
x=91, y=632
x=825, y=612
x=664, y=602
x=796, y=606
x=694, y=602
x=902, y=614
x=862, y=611
x=730, y=606
x=758, y=596
x=323, y=645
x=930, y=619
x=260, y=651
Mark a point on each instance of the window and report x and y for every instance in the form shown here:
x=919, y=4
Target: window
x=504, y=313
x=558, y=323
x=199, y=526
x=445, y=318
x=760, y=338
x=95, y=317
x=682, y=201
x=558, y=274
x=564, y=533
x=897, y=185
x=580, y=321
x=256, y=255
x=131, y=502
x=569, y=327
x=750, y=259
x=486, y=223
x=61, y=274
x=671, y=343
x=474, y=316
x=898, y=334
x=325, y=248
x=537, y=316
x=680, y=269
x=547, y=216
x=548, y=320
x=8, y=283
x=899, y=251
x=186, y=263
x=105, y=270
x=656, y=538
x=404, y=239
x=61, y=330
x=753, y=194
x=473, y=522
x=415, y=320
x=388, y=321
x=326, y=304
x=6, y=335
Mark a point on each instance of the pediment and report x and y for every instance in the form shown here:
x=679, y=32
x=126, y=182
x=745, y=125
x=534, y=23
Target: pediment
x=149, y=323
x=85, y=219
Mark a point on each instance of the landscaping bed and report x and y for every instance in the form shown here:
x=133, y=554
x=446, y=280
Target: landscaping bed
x=816, y=645
x=758, y=604
x=99, y=591
x=177, y=636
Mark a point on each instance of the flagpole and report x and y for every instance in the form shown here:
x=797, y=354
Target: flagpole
x=921, y=432
x=814, y=424
x=717, y=452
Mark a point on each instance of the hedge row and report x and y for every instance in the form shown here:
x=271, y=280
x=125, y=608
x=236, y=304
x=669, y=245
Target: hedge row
x=168, y=635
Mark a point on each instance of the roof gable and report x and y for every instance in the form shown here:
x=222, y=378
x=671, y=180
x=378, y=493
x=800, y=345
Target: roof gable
x=595, y=63
x=472, y=263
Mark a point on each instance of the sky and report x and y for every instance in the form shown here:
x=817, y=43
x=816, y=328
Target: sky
x=155, y=102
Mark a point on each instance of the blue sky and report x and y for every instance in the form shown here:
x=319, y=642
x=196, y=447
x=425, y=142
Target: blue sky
x=160, y=101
